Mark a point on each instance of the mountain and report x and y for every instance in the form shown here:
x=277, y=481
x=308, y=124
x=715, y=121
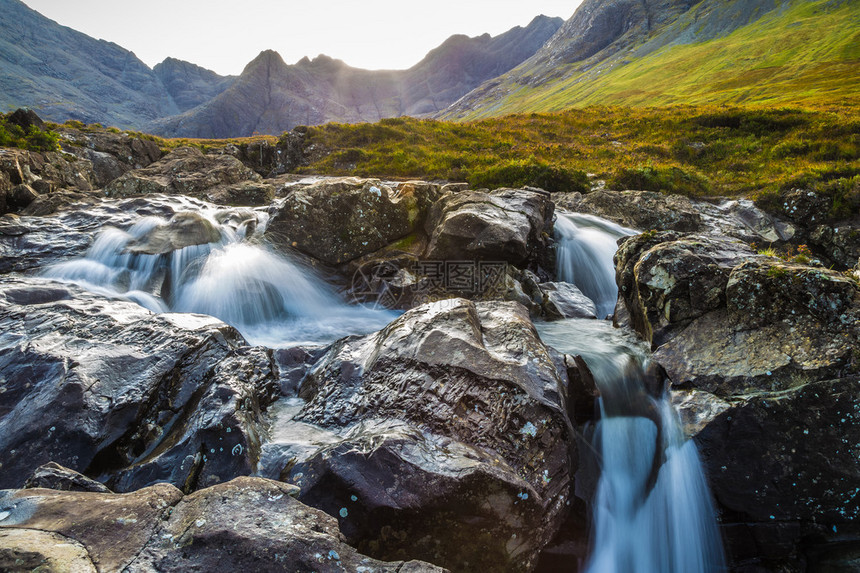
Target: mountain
x=664, y=52
x=188, y=84
x=64, y=74
x=271, y=96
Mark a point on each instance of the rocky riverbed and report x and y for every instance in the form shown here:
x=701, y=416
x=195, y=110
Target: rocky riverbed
x=428, y=426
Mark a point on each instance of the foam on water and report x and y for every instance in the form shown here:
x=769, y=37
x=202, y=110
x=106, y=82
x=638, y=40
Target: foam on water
x=269, y=298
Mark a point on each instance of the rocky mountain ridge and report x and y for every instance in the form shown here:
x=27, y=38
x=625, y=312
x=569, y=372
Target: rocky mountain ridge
x=65, y=74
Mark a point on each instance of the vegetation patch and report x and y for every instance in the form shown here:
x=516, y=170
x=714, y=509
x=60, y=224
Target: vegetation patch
x=662, y=179
x=529, y=172
x=32, y=139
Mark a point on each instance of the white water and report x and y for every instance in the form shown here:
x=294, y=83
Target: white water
x=652, y=511
x=270, y=299
x=586, y=245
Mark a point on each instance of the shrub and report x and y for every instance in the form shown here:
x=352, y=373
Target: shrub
x=531, y=173
x=660, y=179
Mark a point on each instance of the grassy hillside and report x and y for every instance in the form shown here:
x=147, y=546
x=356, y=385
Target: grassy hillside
x=806, y=53
x=698, y=151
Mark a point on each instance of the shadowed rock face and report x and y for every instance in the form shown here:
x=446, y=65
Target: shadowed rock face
x=449, y=424
x=188, y=84
x=248, y=524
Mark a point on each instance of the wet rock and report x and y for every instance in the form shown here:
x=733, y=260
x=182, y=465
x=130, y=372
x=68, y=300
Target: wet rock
x=448, y=425
x=647, y=210
x=248, y=524
x=21, y=196
x=638, y=209
x=38, y=237
x=54, y=476
x=564, y=300
x=185, y=171
x=184, y=229
x=667, y=279
x=782, y=467
x=122, y=395
x=242, y=193
x=510, y=225
x=338, y=220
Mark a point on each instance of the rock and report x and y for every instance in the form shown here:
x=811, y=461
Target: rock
x=338, y=220
x=248, y=524
x=762, y=359
x=55, y=476
x=131, y=150
x=184, y=229
x=639, y=209
x=504, y=225
x=242, y=193
x=21, y=196
x=647, y=210
x=668, y=279
x=564, y=300
x=805, y=207
x=25, y=119
x=122, y=395
x=783, y=468
x=184, y=171
x=32, y=242
x=839, y=242
x=51, y=203
x=448, y=425
x=26, y=550
x=582, y=392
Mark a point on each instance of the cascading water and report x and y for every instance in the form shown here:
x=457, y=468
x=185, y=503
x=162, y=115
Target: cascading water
x=586, y=245
x=652, y=510
x=270, y=299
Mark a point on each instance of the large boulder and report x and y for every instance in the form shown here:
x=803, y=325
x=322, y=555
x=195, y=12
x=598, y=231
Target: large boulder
x=248, y=524
x=108, y=389
x=185, y=171
x=338, y=220
x=761, y=357
x=184, y=229
x=442, y=437
x=511, y=225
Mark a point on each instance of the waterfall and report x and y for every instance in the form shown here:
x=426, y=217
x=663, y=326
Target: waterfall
x=271, y=299
x=586, y=245
x=652, y=510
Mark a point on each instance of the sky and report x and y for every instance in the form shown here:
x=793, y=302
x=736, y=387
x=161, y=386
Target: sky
x=224, y=35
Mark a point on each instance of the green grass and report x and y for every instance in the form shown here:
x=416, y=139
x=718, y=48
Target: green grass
x=694, y=150
x=807, y=54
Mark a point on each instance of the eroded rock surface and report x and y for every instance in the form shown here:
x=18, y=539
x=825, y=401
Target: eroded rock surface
x=449, y=424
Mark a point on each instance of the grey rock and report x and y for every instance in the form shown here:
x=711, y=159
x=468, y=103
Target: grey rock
x=122, y=395
x=508, y=225
x=54, y=476
x=564, y=300
x=184, y=229
x=248, y=524
x=449, y=424
x=338, y=220
x=184, y=171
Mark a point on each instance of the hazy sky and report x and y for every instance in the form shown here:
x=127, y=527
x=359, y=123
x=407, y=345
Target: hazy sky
x=225, y=35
